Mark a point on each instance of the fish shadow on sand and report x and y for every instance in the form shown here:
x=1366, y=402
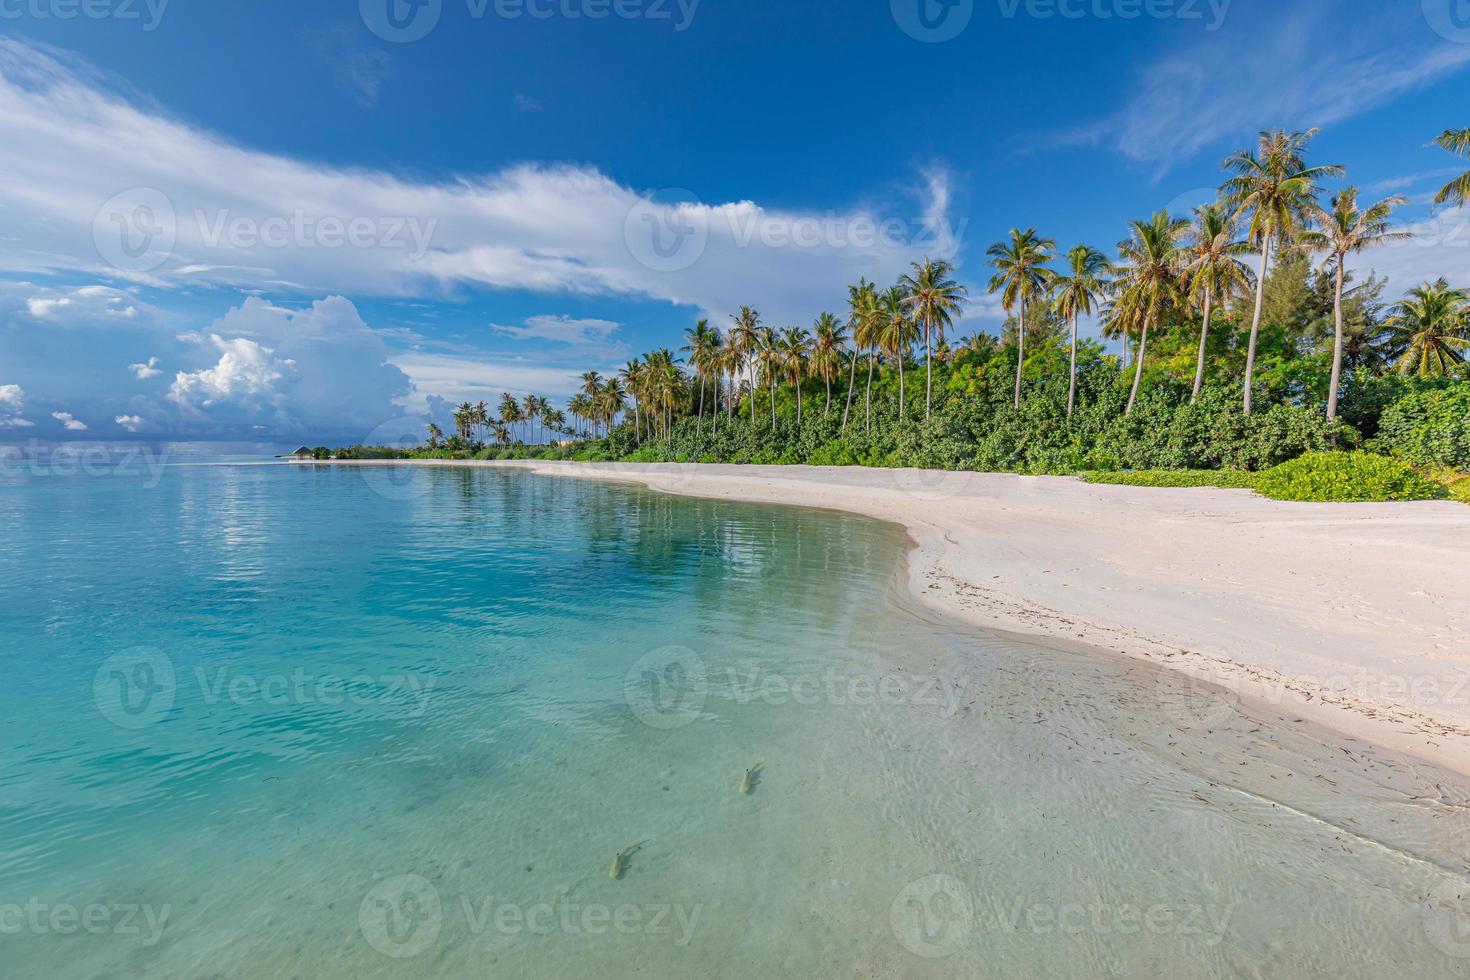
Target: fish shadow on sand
x=752, y=779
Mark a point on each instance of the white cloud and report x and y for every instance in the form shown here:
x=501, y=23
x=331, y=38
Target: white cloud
x=12, y=397
x=358, y=70
x=130, y=422
x=146, y=370
x=244, y=370
x=1297, y=68
x=85, y=305
x=71, y=423
x=589, y=338
x=68, y=147
x=42, y=308
x=458, y=379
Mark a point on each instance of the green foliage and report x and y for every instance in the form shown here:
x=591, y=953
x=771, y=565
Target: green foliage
x=1228, y=479
x=1346, y=477
x=1430, y=428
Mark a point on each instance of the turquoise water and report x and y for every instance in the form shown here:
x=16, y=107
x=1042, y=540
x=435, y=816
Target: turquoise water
x=271, y=721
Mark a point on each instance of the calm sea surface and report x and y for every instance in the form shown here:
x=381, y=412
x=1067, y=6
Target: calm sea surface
x=278, y=721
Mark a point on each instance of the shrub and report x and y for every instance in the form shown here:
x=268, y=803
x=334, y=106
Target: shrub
x=1229, y=479
x=1430, y=428
x=1346, y=477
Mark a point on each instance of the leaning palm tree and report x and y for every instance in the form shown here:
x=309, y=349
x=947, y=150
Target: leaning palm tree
x=1212, y=271
x=1152, y=263
x=1431, y=329
x=897, y=333
x=934, y=299
x=1457, y=191
x=1346, y=229
x=1021, y=275
x=794, y=349
x=829, y=343
x=1076, y=293
x=1276, y=188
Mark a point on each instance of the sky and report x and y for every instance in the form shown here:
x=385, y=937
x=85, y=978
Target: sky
x=325, y=222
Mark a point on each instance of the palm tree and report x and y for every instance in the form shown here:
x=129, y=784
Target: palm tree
x=747, y=322
x=611, y=400
x=897, y=333
x=1077, y=293
x=1457, y=191
x=703, y=350
x=861, y=300
x=530, y=412
x=730, y=359
x=1431, y=329
x=510, y=410
x=1021, y=275
x=1151, y=269
x=436, y=436
x=768, y=354
x=794, y=350
x=464, y=421
x=1345, y=230
x=1275, y=187
x=934, y=298
x=828, y=346
x=633, y=376
x=1213, y=271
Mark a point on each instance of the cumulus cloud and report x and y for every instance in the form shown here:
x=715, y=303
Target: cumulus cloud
x=145, y=370
x=245, y=370
x=130, y=422
x=70, y=422
x=43, y=308
x=12, y=401
x=225, y=214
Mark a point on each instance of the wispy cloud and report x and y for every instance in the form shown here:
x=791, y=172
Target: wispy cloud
x=358, y=69
x=1310, y=66
x=526, y=103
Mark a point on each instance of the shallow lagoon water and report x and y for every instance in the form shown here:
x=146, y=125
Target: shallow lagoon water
x=319, y=721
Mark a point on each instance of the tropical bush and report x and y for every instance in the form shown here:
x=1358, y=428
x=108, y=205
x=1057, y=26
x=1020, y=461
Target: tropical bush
x=1229, y=479
x=1346, y=477
x=1430, y=428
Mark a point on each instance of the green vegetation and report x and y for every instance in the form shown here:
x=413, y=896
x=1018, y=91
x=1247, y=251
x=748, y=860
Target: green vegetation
x=1238, y=355
x=1347, y=477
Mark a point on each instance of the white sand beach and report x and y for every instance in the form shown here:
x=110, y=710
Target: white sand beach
x=1355, y=616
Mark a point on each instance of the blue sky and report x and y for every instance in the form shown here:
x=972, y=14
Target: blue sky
x=287, y=221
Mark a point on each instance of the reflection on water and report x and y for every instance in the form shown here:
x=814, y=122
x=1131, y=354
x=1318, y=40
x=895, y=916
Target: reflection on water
x=270, y=721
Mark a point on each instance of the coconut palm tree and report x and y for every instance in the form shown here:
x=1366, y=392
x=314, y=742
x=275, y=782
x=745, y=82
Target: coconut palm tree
x=730, y=361
x=703, y=350
x=510, y=411
x=747, y=323
x=861, y=302
x=1021, y=275
x=530, y=412
x=1345, y=229
x=1212, y=271
x=897, y=333
x=611, y=400
x=768, y=355
x=1151, y=268
x=1430, y=329
x=1457, y=191
x=934, y=299
x=1273, y=185
x=633, y=376
x=1077, y=292
x=794, y=348
x=829, y=344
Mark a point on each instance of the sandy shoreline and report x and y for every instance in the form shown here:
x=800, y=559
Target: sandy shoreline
x=1355, y=616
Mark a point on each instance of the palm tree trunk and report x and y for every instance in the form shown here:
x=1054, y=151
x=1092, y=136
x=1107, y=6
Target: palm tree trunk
x=1020, y=348
x=1204, y=337
x=900, y=385
x=869, y=421
x=1337, y=344
x=851, y=386
x=701, y=403
x=928, y=371
x=1250, y=354
x=1138, y=370
x=828, y=407
x=773, y=404
x=1072, y=384
x=796, y=382
x=752, y=392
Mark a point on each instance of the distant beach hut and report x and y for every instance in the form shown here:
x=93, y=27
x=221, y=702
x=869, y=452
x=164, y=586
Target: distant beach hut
x=302, y=453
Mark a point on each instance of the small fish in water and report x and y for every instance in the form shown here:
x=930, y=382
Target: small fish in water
x=751, y=779
x=621, y=863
